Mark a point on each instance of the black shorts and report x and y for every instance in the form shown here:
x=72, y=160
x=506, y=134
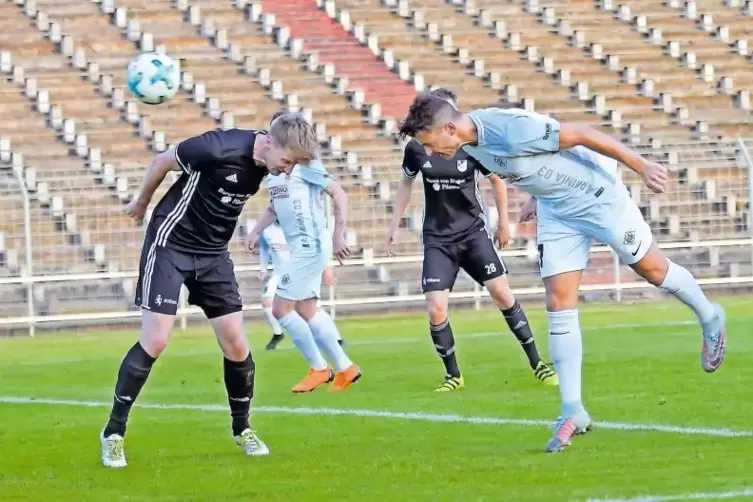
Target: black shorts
x=210, y=280
x=476, y=254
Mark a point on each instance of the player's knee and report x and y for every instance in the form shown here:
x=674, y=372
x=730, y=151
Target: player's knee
x=235, y=347
x=501, y=293
x=437, y=312
x=558, y=299
x=154, y=341
x=280, y=310
x=652, y=267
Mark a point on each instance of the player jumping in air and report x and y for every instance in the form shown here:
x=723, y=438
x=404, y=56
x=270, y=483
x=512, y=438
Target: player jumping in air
x=298, y=205
x=186, y=243
x=455, y=236
x=273, y=248
x=571, y=171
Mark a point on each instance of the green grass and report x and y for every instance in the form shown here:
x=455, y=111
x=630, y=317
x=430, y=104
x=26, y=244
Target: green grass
x=641, y=375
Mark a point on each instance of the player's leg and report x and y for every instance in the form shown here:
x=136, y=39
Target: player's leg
x=440, y=269
x=481, y=261
x=157, y=292
x=632, y=240
x=327, y=338
x=267, y=298
x=291, y=290
x=563, y=255
x=215, y=290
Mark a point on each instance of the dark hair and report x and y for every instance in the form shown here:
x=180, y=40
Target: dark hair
x=441, y=92
x=277, y=114
x=424, y=112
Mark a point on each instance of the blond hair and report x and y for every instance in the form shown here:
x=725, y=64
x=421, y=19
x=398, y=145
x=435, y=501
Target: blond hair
x=293, y=131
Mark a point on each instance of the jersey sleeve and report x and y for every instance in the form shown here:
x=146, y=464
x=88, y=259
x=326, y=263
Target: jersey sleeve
x=197, y=153
x=484, y=171
x=412, y=159
x=315, y=174
x=518, y=132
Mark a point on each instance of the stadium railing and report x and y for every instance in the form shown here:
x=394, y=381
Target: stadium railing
x=345, y=297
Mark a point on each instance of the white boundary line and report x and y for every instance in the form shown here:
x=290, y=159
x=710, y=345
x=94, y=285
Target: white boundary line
x=357, y=342
x=395, y=415
x=747, y=492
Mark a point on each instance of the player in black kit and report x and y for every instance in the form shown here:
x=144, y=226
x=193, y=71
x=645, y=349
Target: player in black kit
x=455, y=236
x=187, y=243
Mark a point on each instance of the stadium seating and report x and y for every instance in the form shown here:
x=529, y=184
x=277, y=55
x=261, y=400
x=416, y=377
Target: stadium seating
x=672, y=78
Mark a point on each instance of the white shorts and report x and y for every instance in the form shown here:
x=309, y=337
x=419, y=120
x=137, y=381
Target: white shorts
x=270, y=287
x=564, y=244
x=301, y=277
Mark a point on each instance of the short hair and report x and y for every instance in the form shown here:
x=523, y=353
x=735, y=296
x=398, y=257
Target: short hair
x=426, y=111
x=293, y=131
x=277, y=114
x=444, y=93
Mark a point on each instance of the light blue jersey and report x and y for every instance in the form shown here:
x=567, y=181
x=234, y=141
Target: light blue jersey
x=273, y=248
x=523, y=148
x=298, y=201
x=299, y=204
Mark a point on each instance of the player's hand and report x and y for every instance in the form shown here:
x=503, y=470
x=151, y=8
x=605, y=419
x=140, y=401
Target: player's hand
x=329, y=278
x=528, y=210
x=502, y=235
x=136, y=210
x=655, y=176
x=392, y=243
x=252, y=242
x=263, y=274
x=340, y=247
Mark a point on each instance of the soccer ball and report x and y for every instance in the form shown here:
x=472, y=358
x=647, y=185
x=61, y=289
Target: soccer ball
x=153, y=78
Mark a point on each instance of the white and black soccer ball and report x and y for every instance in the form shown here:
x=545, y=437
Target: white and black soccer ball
x=153, y=78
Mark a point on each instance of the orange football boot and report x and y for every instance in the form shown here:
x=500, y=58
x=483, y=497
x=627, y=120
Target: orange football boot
x=345, y=378
x=314, y=379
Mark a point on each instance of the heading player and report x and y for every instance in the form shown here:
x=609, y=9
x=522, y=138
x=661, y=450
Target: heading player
x=273, y=249
x=187, y=243
x=297, y=203
x=571, y=170
x=454, y=237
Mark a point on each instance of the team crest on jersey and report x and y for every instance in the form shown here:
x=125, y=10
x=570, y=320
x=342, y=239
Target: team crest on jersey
x=629, y=237
x=285, y=280
x=500, y=161
x=462, y=165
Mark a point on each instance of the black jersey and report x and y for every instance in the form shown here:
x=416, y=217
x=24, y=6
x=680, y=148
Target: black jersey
x=453, y=204
x=198, y=214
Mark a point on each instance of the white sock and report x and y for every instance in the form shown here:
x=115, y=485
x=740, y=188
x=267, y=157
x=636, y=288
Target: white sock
x=303, y=339
x=276, y=328
x=685, y=288
x=326, y=335
x=566, y=347
x=339, y=336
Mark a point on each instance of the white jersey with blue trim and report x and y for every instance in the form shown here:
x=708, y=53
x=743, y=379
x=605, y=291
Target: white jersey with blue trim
x=298, y=201
x=523, y=148
x=273, y=248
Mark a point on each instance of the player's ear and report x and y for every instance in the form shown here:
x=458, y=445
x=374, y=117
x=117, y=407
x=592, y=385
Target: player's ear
x=451, y=128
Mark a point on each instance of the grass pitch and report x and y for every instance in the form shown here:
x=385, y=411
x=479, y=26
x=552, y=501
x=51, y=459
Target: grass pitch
x=400, y=444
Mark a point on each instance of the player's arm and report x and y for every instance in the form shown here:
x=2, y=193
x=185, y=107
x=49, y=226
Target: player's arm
x=264, y=258
x=503, y=219
x=161, y=164
x=315, y=174
x=254, y=236
x=571, y=135
x=410, y=169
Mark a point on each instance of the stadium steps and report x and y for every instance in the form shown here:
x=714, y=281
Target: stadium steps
x=677, y=28
x=91, y=117
x=550, y=53
x=335, y=45
x=611, y=44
